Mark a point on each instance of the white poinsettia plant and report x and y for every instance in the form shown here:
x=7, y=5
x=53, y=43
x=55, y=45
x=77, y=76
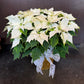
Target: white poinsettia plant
x=41, y=33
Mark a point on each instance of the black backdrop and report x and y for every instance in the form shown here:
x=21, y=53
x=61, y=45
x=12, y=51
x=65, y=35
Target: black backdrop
x=76, y=7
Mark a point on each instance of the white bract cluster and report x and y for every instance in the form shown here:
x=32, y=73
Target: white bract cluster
x=42, y=19
x=39, y=22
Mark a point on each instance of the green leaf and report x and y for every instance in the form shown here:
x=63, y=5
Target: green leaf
x=17, y=50
x=24, y=32
x=8, y=34
x=45, y=45
x=21, y=31
x=63, y=54
x=60, y=15
x=27, y=46
x=54, y=40
x=72, y=33
x=11, y=40
x=55, y=51
x=61, y=49
x=23, y=38
x=33, y=43
x=41, y=12
x=49, y=23
x=76, y=31
x=26, y=53
x=41, y=48
x=46, y=14
x=20, y=47
x=33, y=25
x=16, y=53
x=52, y=29
x=70, y=44
x=36, y=53
x=66, y=49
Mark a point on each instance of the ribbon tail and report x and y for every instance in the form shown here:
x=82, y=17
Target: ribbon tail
x=39, y=64
x=39, y=70
x=52, y=70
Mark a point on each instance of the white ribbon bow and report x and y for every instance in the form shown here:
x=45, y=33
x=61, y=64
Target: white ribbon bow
x=47, y=54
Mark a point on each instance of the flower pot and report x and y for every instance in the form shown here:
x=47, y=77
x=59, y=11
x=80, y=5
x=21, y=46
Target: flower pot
x=46, y=64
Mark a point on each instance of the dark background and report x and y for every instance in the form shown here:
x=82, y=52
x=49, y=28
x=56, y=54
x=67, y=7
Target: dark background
x=76, y=7
x=68, y=71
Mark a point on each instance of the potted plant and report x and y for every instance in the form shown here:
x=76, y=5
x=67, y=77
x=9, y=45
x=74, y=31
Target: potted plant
x=43, y=34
